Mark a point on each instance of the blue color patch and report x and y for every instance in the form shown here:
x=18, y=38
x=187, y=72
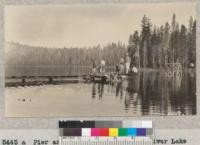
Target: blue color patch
x=131, y=131
x=141, y=131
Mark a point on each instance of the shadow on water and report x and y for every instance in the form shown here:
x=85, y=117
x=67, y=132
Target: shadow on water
x=154, y=93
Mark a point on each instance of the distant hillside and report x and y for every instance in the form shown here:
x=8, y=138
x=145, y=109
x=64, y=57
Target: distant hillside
x=29, y=60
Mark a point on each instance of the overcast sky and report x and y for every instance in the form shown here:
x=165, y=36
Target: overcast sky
x=87, y=24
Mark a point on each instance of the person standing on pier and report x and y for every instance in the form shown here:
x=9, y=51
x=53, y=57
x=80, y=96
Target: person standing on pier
x=102, y=66
x=94, y=67
x=127, y=63
x=121, y=66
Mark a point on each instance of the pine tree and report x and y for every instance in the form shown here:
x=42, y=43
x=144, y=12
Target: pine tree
x=173, y=23
x=191, y=22
x=193, y=47
x=145, y=42
x=165, y=44
x=133, y=49
x=183, y=50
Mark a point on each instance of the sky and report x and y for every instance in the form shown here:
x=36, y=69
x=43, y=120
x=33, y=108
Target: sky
x=87, y=25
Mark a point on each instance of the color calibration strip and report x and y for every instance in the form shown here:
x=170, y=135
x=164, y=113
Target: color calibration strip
x=106, y=124
x=106, y=128
x=106, y=132
x=109, y=132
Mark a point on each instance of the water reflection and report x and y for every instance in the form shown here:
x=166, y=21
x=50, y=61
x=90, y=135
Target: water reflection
x=147, y=93
x=119, y=89
x=100, y=90
x=154, y=93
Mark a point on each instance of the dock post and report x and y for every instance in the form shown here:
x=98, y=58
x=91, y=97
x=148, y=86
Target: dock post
x=23, y=81
x=50, y=80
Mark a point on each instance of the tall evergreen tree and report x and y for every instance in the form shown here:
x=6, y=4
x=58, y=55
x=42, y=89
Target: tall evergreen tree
x=133, y=49
x=145, y=42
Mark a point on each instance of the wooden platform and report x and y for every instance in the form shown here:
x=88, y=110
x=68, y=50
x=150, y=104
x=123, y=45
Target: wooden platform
x=41, y=80
x=99, y=78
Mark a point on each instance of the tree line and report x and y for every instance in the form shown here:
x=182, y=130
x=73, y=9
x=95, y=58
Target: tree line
x=152, y=47
x=28, y=60
x=28, y=55
x=155, y=47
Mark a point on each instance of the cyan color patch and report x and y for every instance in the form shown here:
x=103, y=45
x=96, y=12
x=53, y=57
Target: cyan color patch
x=131, y=131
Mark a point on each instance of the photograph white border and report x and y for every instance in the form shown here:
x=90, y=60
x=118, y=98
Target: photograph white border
x=161, y=122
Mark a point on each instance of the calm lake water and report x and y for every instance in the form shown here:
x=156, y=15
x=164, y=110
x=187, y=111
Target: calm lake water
x=151, y=93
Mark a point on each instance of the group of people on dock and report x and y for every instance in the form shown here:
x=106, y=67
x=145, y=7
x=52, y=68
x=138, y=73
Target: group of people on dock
x=99, y=69
x=122, y=68
x=124, y=65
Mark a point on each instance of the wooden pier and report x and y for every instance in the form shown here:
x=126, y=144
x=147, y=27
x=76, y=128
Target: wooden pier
x=41, y=80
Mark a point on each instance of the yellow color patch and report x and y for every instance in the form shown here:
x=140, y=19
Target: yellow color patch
x=113, y=131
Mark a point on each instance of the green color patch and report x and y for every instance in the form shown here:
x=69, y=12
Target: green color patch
x=122, y=131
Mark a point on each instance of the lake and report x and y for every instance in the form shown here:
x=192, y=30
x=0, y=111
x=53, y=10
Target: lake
x=148, y=93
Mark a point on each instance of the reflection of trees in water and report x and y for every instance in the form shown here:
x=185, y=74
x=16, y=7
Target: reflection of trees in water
x=154, y=93
x=186, y=98
x=176, y=99
x=177, y=94
x=191, y=81
x=168, y=95
x=131, y=96
x=163, y=87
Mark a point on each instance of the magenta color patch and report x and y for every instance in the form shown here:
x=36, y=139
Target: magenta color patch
x=95, y=131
